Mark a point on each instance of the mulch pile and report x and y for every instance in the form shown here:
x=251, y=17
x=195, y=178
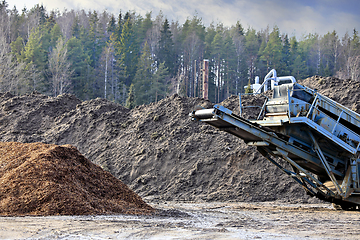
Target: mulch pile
x=45, y=179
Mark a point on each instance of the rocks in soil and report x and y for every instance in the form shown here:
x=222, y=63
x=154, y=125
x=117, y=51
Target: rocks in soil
x=43, y=179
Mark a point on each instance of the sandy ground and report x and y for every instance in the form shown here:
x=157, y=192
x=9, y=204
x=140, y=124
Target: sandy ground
x=195, y=221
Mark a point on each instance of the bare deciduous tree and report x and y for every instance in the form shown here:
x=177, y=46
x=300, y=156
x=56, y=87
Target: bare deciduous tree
x=352, y=69
x=59, y=69
x=14, y=76
x=65, y=21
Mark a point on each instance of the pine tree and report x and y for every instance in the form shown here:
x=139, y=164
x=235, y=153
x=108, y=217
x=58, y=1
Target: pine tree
x=248, y=88
x=272, y=52
x=130, y=101
x=55, y=35
x=75, y=28
x=143, y=28
x=285, y=65
x=230, y=66
x=126, y=54
x=111, y=28
x=33, y=55
x=15, y=24
x=79, y=66
x=310, y=51
x=92, y=40
x=17, y=48
x=355, y=43
x=241, y=71
x=251, y=51
x=210, y=34
x=239, y=29
x=33, y=52
x=294, y=51
x=166, y=52
x=298, y=68
x=159, y=82
x=143, y=78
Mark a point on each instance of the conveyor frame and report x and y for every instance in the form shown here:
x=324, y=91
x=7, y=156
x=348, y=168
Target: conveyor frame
x=317, y=136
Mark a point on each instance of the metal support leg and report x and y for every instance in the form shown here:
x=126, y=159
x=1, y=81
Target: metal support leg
x=266, y=154
x=240, y=105
x=325, y=164
x=345, y=186
x=354, y=172
x=308, y=175
x=284, y=155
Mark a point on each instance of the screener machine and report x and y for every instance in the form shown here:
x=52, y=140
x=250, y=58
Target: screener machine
x=318, y=137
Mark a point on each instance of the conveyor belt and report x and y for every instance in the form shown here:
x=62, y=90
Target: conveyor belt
x=271, y=145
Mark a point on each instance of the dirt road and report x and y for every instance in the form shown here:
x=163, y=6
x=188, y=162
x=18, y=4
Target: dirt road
x=195, y=221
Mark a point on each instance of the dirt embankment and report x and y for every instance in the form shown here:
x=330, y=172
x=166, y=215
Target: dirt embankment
x=346, y=92
x=156, y=149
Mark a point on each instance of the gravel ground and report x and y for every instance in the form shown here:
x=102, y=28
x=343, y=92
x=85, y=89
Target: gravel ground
x=174, y=220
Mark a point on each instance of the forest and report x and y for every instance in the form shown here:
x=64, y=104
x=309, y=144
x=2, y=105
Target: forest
x=132, y=59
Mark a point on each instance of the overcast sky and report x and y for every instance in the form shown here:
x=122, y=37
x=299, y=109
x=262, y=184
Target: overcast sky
x=294, y=17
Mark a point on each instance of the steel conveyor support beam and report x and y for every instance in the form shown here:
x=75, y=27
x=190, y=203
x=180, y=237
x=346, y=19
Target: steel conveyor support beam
x=285, y=156
x=267, y=154
x=325, y=164
x=302, y=177
x=306, y=173
x=345, y=186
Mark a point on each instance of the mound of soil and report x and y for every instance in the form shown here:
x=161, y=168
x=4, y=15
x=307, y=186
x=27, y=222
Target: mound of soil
x=43, y=179
x=344, y=91
x=156, y=149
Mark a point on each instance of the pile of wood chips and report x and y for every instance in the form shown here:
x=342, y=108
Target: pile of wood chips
x=44, y=179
